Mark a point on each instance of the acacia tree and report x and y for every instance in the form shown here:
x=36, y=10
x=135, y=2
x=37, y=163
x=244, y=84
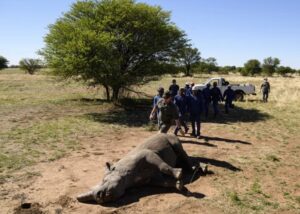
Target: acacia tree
x=251, y=67
x=3, y=62
x=114, y=43
x=270, y=64
x=30, y=65
x=187, y=57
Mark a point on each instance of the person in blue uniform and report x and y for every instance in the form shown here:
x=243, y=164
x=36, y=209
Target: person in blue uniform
x=181, y=101
x=228, y=96
x=160, y=92
x=173, y=88
x=195, y=107
x=207, y=99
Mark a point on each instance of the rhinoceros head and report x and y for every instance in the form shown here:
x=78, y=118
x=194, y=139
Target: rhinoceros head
x=112, y=187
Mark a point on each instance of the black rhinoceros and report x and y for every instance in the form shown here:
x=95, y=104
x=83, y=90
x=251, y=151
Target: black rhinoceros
x=157, y=161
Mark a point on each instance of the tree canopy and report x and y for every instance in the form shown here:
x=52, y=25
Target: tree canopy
x=3, y=62
x=30, y=65
x=114, y=43
x=251, y=67
x=187, y=57
x=269, y=66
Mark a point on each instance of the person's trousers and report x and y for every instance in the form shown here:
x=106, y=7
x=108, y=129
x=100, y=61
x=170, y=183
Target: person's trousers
x=265, y=96
x=183, y=123
x=206, y=107
x=228, y=104
x=216, y=107
x=195, y=121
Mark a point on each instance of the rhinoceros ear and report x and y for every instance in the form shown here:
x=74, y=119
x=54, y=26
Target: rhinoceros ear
x=107, y=166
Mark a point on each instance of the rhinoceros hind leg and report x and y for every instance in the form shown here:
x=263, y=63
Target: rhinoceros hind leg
x=163, y=181
x=153, y=159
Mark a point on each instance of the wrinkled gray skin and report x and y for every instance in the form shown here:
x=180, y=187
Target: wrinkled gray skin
x=153, y=162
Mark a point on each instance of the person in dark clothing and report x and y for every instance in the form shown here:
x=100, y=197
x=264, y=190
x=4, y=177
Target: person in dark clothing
x=173, y=88
x=228, y=96
x=216, y=97
x=187, y=89
x=207, y=99
x=181, y=101
x=195, y=107
x=265, y=88
x=168, y=112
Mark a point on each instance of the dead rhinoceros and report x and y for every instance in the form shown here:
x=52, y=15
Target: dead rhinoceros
x=154, y=162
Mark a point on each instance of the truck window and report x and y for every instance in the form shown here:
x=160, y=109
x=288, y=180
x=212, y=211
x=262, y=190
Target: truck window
x=213, y=81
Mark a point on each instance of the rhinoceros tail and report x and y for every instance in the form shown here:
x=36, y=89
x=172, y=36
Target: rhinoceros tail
x=86, y=197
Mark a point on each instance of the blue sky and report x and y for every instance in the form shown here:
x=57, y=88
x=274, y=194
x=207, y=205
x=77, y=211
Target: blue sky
x=233, y=31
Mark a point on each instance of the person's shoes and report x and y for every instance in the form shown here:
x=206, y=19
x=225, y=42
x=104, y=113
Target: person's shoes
x=193, y=135
x=199, y=137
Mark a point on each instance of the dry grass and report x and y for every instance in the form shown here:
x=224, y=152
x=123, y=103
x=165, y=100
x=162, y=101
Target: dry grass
x=43, y=119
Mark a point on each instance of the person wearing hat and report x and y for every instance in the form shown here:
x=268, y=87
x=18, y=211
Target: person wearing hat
x=181, y=101
x=228, y=96
x=187, y=89
x=265, y=88
x=167, y=113
x=173, y=88
x=207, y=99
x=195, y=107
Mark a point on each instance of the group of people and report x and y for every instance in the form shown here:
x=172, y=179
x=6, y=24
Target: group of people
x=177, y=103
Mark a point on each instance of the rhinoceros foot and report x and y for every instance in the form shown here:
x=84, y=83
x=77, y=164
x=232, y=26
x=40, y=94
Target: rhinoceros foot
x=179, y=185
x=178, y=173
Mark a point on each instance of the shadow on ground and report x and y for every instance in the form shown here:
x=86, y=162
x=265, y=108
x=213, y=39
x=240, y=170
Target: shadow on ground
x=207, y=139
x=135, y=113
x=237, y=114
x=214, y=162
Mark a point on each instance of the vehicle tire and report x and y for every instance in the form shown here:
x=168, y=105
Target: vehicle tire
x=239, y=96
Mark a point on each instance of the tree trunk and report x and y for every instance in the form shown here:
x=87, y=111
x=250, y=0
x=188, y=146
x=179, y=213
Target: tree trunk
x=187, y=70
x=107, y=92
x=115, y=94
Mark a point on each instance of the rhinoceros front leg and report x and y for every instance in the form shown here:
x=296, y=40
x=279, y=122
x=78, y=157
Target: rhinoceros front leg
x=153, y=159
x=168, y=182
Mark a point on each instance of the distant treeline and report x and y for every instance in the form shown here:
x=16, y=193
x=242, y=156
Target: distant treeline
x=252, y=67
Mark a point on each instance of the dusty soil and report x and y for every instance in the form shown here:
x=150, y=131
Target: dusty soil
x=55, y=188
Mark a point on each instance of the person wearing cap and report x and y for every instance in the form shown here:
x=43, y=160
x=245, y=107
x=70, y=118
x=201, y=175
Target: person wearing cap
x=228, y=96
x=195, y=107
x=173, y=88
x=216, y=97
x=265, y=88
x=160, y=93
x=167, y=113
x=187, y=89
x=181, y=101
x=207, y=99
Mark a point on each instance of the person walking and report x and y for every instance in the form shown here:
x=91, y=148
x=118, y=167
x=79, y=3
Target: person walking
x=265, y=89
x=167, y=113
x=228, y=96
x=216, y=97
x=173, y=88
x=187, y=89
x=195, y=107
x=181, y=101
x=206, y=99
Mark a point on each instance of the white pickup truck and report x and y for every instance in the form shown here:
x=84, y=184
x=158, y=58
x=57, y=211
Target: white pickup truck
x=240, y=89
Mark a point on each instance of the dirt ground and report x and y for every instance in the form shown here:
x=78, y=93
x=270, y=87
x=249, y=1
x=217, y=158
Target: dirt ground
x=252, y=154
x=54, y=190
